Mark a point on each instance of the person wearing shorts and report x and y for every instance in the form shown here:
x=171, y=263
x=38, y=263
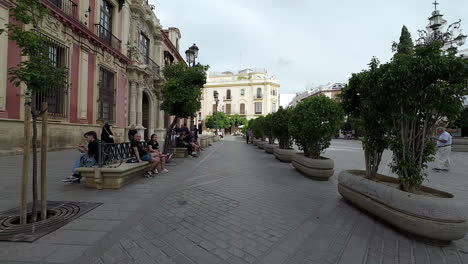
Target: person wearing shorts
x=143, y=155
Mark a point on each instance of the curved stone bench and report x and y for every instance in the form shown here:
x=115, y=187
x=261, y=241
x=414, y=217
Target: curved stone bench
x=112, y=177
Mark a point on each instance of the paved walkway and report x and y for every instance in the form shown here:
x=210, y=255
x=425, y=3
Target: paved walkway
x=235, y=204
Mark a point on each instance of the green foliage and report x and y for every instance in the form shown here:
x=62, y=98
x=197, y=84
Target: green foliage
x=258, y=127
x=418, y=90
x=313, y=123
x=37, y=72
x=280, y=128
x=361, y=100
x=405, y=46
x=237, y=120
x=462, y=121
x=268, y=128
x=181, y=93
x=218, y=120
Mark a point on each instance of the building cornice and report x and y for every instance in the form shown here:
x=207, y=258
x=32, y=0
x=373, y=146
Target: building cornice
x=227, y=85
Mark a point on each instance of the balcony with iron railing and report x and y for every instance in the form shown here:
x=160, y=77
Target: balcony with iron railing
x=137, y=56
x=106, y=35
x=68, y=7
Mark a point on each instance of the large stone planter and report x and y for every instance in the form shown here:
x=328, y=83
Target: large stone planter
x=260, y=144
x=284, y=155
x=269, y=148
x=203, y=142
x=255, y=141
x=431, y=214
x=317, y=169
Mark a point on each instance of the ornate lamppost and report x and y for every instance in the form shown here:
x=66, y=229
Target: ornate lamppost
x=451, y=37
x=191, y=55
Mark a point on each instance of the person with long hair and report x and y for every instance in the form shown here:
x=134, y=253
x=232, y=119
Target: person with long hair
x=107, y=135
x=153, y=148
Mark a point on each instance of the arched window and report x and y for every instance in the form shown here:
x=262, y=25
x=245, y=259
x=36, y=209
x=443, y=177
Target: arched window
x=228, y=94
x=242, y=109
x=259, y=92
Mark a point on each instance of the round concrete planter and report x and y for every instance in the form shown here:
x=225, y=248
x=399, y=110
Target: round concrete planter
x=438, y=216
x=269, y=148
x=317, y=169
x=284, y=155
x=260, y=144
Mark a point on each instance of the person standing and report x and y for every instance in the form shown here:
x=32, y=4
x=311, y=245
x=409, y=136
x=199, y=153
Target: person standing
x=107, y=135
x=247, y=135
x=444, y=147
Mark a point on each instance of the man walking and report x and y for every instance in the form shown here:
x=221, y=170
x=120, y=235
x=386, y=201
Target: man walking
x=444, y=147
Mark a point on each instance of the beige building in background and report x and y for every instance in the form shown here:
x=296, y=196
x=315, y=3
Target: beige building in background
x=249, y=93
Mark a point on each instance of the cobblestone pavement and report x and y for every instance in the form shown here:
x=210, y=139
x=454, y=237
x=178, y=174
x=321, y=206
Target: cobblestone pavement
x=235, y=204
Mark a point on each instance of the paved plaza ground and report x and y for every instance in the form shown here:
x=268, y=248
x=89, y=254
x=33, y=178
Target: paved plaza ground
x=235, y=204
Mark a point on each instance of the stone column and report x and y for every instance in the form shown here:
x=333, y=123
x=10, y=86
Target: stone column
x=139, y=106
x=133, y=98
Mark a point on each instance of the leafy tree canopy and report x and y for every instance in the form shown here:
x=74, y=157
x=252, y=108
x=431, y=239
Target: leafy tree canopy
x=218, y=120
x=313, y=123
x=181, y=93
x=280, y=128
x=237, y=120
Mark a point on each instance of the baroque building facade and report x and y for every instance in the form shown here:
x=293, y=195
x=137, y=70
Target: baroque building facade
x=249, y=93
x=113, y=50
x=330, y=90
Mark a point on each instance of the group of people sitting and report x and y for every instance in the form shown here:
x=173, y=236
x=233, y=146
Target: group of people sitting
x=189, y=139
x=89, y=154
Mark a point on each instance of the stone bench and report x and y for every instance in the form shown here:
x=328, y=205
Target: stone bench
x=180, y=152
x=112, y=177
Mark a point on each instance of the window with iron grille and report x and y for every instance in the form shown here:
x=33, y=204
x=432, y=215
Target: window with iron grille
x=258, y=108
x=106, y=95
x=56, y=97
x=259, y=92
x=144, y=47
x=105, y=31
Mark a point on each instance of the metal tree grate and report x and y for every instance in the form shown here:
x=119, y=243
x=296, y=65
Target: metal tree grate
x=61, y=213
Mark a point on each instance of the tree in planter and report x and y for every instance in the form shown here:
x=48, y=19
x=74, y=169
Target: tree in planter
x=280, y=128
x=217, y=121
x=38, y=73
x=360, y=101
x=181, y=93
x=268, y=128
x=258, y=128
x=313, y=123
x=421, y=85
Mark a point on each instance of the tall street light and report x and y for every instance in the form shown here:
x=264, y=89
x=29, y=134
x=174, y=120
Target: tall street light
x=451, y=37
x=191, y=55
x=215, y=95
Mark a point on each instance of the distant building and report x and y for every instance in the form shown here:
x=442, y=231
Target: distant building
x=250, y=93
x=331, y=90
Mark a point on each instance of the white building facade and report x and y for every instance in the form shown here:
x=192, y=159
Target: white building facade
x=249, y=93
x=331, y=90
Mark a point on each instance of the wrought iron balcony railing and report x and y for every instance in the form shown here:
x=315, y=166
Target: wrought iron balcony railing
x=153, y=66
x=107, y=36
x=68, y=7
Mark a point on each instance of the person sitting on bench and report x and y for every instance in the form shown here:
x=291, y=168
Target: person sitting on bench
x=143, y=155
x=186, y=141
x=153, y=148
x=88, y=157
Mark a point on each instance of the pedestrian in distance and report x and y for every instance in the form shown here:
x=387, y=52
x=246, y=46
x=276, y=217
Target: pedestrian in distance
x=444, y=147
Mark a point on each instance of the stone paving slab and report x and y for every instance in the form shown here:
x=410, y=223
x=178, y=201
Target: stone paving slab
x=235, y=204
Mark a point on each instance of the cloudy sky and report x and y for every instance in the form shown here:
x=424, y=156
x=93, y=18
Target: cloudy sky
x=302, y=42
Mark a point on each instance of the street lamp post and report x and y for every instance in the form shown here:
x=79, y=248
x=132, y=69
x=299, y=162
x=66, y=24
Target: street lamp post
x=191, y=55
x=434, y=31
x=215, y=95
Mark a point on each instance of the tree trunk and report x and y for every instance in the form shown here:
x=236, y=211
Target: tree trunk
x=44, y=142
x=34, y=169
x=167, y=140
x=25, y=174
